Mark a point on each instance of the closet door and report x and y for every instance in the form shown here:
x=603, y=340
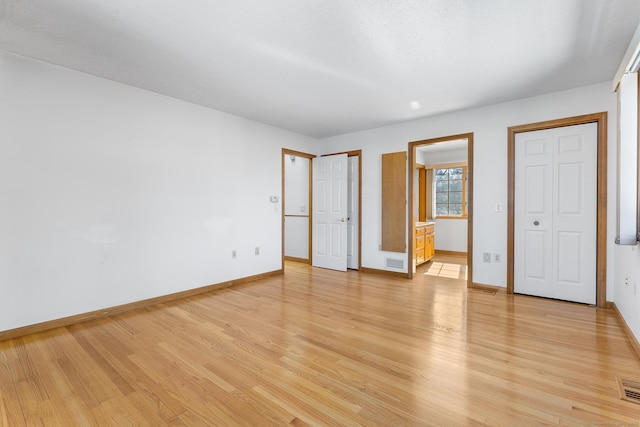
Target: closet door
x=555, y=213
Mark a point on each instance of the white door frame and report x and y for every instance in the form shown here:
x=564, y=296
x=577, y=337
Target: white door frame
x=601, y=233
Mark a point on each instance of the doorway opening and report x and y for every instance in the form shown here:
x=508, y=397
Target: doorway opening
x=426, y=206
x=296, y=206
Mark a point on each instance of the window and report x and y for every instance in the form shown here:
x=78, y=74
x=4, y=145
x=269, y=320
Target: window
x=626, y=221
x=627, y=84
x=451, y=191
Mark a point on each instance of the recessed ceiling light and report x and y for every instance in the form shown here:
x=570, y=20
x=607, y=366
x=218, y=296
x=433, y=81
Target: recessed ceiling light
x=415, y=105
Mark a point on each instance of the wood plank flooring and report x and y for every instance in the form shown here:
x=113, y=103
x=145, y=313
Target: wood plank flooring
x=318, y=347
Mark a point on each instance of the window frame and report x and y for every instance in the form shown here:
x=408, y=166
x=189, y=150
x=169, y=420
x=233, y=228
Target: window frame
x=465, y=171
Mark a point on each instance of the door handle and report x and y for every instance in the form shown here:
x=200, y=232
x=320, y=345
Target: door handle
x=536, y=223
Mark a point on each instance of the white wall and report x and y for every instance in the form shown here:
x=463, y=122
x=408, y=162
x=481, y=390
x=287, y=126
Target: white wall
x=112, y=194
x=296, y=202
x=450, y=235
x=489, y=125
x=627, y=285
x=627, y=258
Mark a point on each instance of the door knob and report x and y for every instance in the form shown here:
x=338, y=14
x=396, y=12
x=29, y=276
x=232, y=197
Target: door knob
x=536, y=222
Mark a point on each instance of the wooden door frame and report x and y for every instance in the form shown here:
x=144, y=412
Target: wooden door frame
x=411, y=229
x=601, y=223
x=286, y=152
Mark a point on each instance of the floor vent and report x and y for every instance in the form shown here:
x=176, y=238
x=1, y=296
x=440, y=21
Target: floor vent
x=484, y=291
x=629, y=390
x=395, y=263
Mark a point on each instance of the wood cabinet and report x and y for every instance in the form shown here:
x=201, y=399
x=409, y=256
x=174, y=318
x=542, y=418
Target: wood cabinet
x=394, y=202
x=424, y=244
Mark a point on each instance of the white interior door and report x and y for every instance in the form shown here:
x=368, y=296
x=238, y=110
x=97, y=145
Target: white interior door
x=555, y=213
x=329, y=235
x=352, y=213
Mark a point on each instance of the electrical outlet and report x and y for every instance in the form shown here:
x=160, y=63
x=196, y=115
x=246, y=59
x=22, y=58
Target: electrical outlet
x=496, y=258
x=486, y=257
x=257, y=252
x=234, y=254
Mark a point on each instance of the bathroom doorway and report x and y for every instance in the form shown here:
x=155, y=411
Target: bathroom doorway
x=438, y=212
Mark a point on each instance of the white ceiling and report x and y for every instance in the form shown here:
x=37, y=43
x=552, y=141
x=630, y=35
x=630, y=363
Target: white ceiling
x=328, y=67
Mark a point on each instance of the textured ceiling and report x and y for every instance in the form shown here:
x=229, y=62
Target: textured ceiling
x=328, y=67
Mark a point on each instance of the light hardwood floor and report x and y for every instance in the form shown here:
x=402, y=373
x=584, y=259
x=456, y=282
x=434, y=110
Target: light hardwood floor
x=318, y=347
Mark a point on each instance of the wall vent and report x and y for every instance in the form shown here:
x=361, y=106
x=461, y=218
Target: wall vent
x=395, y=263
x=629, y=390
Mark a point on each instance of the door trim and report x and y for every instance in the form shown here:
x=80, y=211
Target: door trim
x=411, y=229
x=287, y=152
x=601, y=223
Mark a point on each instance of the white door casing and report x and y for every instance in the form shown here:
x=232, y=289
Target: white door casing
x=352, y=213
x=555, y=209
x=329, y=235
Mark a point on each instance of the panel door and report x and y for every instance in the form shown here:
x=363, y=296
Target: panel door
x=555, y=213
x=329, y=235
x=353, y=209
